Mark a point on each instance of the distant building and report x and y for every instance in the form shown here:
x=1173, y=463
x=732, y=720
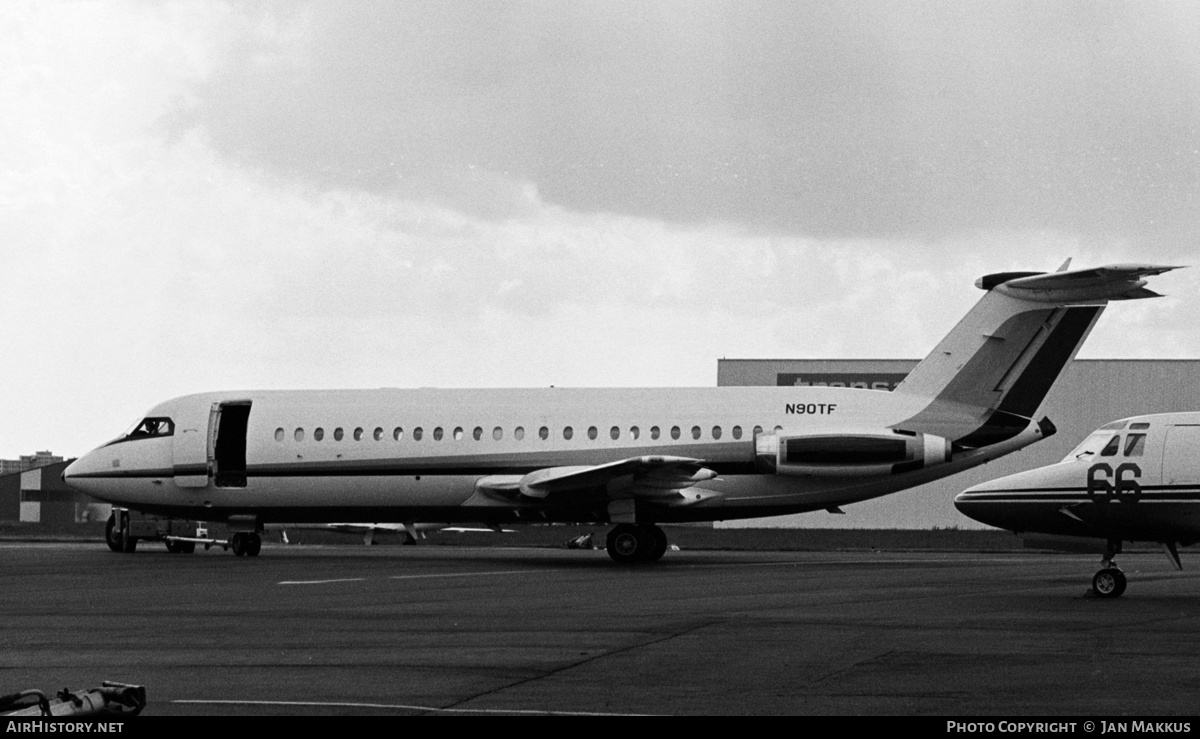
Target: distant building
x=28, y=462
x=39, y=496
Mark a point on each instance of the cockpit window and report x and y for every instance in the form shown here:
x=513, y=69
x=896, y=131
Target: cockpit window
x=1134, y=445
x=1112, y=447
x=154, y=426
x=1090, y=446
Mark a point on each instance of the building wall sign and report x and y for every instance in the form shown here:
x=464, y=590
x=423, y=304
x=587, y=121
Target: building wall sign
x=864, y=380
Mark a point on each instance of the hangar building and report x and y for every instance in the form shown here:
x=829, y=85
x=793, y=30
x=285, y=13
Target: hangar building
x=1089, y=394
x=40, y=496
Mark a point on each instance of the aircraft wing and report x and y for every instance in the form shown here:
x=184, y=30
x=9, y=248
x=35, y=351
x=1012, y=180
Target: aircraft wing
x=659, y=477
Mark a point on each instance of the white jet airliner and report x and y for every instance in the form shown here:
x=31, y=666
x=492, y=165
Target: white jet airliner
x=1137, y=479
x=631, y=457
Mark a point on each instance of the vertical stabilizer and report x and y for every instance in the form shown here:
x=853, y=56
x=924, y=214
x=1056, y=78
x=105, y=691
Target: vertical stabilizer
x=990, y=374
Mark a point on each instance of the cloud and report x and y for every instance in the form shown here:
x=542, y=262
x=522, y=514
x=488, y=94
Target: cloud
x=909, y=120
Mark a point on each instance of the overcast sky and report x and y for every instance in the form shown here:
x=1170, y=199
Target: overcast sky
x=202, y=195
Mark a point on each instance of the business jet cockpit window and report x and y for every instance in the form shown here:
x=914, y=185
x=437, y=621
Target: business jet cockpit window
x=1091, y=446
x=1135, y=445
x=150, y=428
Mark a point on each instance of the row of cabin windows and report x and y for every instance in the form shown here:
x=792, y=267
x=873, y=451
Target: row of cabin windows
x=543, y=433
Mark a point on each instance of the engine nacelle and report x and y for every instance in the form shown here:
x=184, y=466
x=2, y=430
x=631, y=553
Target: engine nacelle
x=849, y=453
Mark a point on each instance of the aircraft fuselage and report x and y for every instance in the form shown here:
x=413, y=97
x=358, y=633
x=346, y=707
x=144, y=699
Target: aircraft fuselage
x=1134, y=480
x=401, y=455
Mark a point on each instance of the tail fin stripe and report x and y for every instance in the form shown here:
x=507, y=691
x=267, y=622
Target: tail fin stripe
x=1032, y=385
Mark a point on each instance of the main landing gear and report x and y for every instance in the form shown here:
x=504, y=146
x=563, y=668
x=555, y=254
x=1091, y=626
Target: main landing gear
x=1109, y=582
x=632, y=543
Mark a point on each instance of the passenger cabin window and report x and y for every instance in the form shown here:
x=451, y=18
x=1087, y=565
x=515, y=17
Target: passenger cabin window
x=544, y=433
x=318, y=433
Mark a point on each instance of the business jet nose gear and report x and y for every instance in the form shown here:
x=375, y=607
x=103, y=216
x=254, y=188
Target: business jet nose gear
x=1109, y=582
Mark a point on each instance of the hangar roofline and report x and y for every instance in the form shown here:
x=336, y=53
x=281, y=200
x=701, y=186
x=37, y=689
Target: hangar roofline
x=918, y=359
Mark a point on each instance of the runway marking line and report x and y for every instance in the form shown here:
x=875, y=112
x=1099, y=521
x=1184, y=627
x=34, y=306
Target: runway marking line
x=413, y=577
x=788, y=563
x=467, y=574
x=401, y=706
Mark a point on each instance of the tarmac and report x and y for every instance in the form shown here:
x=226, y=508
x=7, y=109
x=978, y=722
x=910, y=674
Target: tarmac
x=365, y=631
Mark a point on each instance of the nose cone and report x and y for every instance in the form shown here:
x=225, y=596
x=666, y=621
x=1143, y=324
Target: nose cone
x=1018, y=502
x=973, y=502
x=72, y=470
x=79, y=473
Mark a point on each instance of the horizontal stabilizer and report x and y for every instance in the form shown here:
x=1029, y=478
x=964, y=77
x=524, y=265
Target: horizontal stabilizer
x=1138, y=293
x=1113, y=282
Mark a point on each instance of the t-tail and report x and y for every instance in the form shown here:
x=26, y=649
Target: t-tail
x=987, y=378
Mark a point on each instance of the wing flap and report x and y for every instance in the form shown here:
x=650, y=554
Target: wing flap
x=650, y=476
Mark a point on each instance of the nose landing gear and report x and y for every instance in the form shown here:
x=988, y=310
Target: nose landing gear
x=246, y=544
x=1109, y=582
